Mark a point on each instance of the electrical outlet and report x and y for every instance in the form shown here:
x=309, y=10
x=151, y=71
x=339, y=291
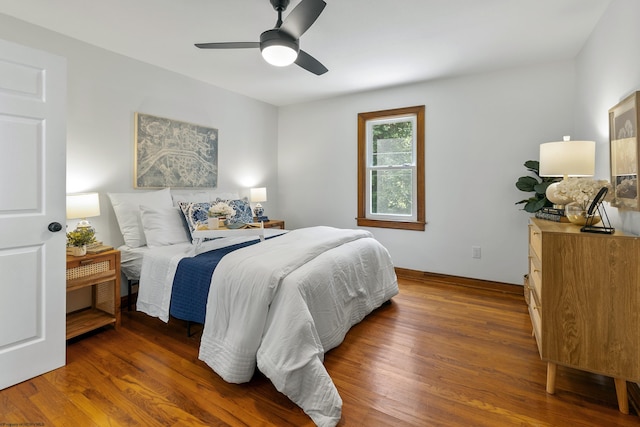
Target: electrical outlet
x=476, y=252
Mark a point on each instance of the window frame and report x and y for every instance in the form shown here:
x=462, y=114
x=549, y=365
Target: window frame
x=363, y=160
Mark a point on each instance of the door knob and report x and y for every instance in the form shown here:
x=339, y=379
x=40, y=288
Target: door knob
x=54, y=227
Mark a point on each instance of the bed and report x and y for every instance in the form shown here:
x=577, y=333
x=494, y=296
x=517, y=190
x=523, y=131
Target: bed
x=278, y=305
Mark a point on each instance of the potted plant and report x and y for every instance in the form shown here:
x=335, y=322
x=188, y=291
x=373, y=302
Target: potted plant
x=538, y=185
x=78, y=240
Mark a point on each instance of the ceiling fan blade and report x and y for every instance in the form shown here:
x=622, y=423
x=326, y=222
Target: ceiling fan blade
x=310, y=63
x=302, y=17
x=228, y=45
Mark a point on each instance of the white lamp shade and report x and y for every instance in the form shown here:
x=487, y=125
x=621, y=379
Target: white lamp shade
x=568, y=158
x=258, y=194
x=83, y=205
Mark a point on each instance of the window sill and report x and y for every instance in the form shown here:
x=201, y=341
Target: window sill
x=401, y=225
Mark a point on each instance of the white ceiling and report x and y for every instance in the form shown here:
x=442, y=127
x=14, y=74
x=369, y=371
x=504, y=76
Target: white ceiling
x=365, y=44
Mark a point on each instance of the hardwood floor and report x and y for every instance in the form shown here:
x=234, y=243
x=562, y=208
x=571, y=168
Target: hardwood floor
x=438, y=355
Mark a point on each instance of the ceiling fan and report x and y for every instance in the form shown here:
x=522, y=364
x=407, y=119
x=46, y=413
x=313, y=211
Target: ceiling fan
x=280, y=46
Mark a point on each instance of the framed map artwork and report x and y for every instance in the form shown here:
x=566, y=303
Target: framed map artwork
x=170, y=153
x=623, y=144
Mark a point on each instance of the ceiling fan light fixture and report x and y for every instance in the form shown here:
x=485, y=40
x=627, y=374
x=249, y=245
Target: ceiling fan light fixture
x=280, y=46
x=278, y=49
x=280, y=56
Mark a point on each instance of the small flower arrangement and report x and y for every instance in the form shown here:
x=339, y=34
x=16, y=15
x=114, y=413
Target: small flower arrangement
x=81, y=236
x=582, y=190
x=221, y=209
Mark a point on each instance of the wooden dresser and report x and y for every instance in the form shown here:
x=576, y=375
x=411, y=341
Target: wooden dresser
x=583, y=293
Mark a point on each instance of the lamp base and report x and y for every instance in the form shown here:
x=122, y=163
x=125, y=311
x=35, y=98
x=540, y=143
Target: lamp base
x=554, y=198
x=83, y=223
x=262, y=218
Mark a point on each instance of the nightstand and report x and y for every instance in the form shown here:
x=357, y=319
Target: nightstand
x=100, y=272
x=273, y=223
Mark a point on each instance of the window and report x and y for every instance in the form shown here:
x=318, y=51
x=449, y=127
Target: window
x=391, y=168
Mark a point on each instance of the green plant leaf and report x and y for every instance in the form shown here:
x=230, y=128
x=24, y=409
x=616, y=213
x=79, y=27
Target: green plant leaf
x=81, y=236
x=541, y=188
x=534, y=206
x=538, y=185
x=526, y=183
x=532, y=165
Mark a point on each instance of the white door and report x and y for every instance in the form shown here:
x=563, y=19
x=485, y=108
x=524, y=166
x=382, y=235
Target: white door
x=32, y=196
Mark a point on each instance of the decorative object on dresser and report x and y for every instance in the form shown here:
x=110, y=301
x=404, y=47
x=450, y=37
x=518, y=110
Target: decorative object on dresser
x=537, y=185
x=552, y=214
x=595, y=212
x=100, y=272
x=576, y=214
x=623, y=144
x=259, y=195
x=564, y=159
x=171, y=153
x=581, y=193
x=583, y=299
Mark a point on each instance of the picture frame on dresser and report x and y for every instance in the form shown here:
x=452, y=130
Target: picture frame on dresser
x=623, y=145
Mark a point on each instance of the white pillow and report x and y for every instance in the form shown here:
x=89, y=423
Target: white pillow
x=127, y=209
x=163, y=226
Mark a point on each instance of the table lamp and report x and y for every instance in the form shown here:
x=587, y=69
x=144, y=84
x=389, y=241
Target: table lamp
x=83, y=206
x=564, y=159
x=259, y=195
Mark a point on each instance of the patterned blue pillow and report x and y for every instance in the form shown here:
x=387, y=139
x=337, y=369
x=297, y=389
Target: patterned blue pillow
x=195, y=214
x=243, y=214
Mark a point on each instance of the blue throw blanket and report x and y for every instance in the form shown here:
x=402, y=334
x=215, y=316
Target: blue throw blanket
x=192, y=281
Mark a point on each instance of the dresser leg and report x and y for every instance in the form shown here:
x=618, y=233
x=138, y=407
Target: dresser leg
x=621, y=392
x=551, y=377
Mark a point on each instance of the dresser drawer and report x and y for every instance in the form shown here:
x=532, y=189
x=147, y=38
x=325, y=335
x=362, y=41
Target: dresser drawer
x=535, y=313
x=88, y=269
x=535, y=273
x=535, y=240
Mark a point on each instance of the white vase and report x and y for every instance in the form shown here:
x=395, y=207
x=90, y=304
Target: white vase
x=79, y=250
x=213, y=223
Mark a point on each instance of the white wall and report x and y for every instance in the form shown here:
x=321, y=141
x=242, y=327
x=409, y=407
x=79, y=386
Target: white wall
x=480, y=130
x=105, y=89
x=608, y=70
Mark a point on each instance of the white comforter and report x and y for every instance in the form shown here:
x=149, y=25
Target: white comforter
x=159, y=266
x=283, y=303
